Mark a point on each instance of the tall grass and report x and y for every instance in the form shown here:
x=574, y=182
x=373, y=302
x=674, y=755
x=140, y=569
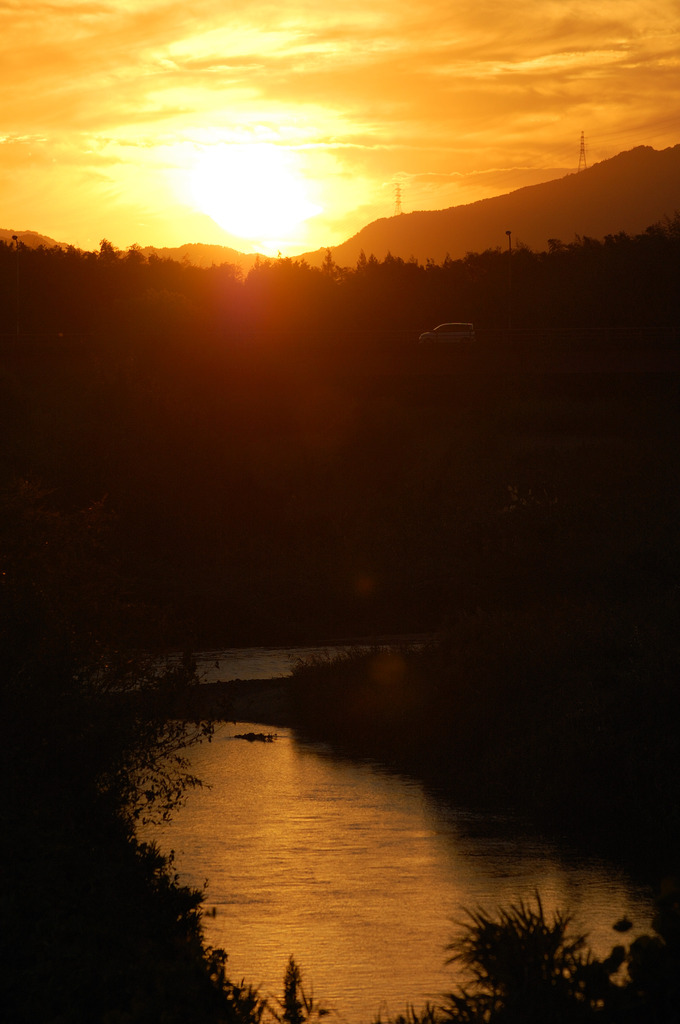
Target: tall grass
x=524, y=967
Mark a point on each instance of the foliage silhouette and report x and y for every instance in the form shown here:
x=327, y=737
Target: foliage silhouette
x=522, y=967
x=527, y=968
x=296, y=1007
x=96, y=926
x=620, y=282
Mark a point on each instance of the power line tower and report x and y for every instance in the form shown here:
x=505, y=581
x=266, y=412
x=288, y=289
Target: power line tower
x=397, y=200
x=582, y=165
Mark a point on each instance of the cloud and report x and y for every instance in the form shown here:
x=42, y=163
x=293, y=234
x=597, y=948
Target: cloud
x=453, y=97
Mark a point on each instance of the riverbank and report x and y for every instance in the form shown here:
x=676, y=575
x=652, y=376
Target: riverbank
x=267, y=701
x=557, y=713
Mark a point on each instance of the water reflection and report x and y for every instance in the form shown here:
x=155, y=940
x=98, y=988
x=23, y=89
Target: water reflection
x=359, y=873
x=276, y=662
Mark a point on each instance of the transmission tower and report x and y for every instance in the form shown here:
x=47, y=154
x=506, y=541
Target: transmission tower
x=582, y=165
x=397, y=200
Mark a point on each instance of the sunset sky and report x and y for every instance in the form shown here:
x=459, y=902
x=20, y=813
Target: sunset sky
x=288, y=126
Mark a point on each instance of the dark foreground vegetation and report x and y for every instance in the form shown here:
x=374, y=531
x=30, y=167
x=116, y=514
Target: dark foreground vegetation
x=621, y=281
x=191, y=458
x=525, y=968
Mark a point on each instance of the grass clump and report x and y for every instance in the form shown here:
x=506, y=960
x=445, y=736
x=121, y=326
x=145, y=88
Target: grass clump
x=525, y=967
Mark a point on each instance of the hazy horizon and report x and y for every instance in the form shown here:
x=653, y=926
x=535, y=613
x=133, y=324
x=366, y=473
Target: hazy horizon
x=290, y=128
x=640, y=187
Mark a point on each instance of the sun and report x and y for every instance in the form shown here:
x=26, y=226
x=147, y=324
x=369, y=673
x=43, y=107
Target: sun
x=254, y=192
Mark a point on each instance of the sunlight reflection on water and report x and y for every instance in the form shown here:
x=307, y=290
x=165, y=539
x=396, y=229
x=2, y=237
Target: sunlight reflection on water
x=359, y=874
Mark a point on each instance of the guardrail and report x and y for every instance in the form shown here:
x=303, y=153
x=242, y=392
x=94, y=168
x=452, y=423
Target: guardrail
x=585, y=337
x=566, y=339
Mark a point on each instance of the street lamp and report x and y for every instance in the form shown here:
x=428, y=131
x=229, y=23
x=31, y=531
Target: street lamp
x=15, y=239
x=509, y=234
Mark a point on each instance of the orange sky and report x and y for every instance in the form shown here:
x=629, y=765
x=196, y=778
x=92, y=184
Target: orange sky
x=291, y=123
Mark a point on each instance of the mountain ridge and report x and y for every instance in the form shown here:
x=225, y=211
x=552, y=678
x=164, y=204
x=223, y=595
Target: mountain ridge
x=33, y=239
x=625, y=194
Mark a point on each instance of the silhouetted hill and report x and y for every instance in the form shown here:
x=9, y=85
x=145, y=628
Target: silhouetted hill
x=196, y=253
x=626, y=194
x=203, y=255
x=30, y=238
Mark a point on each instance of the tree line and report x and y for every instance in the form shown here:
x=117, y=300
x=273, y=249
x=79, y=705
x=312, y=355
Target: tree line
x=621, y=281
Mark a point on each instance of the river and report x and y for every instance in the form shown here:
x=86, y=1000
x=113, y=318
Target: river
x=277, y=662
x=360, y=874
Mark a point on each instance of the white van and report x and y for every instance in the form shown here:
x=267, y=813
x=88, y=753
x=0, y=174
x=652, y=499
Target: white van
x=449, y=332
